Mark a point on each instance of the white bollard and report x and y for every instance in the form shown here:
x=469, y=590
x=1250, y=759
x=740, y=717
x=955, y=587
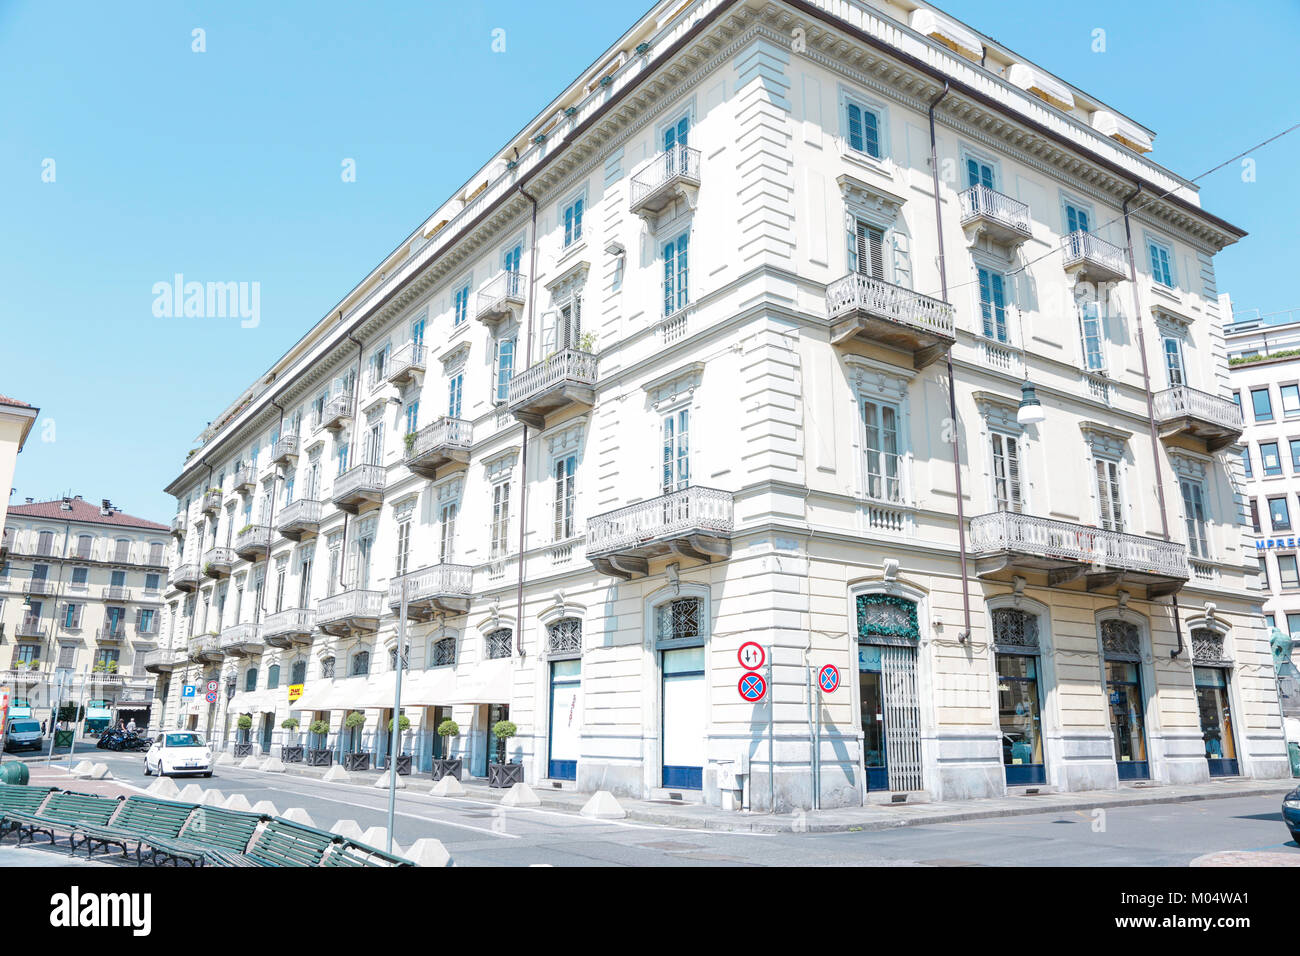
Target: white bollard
x=603, y=806
x=427, y=852
x=448, y=786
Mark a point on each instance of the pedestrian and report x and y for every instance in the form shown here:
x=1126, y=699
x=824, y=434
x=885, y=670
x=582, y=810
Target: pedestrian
x=131, y=726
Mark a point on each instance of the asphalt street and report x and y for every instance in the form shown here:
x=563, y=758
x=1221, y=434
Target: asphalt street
x=480, y=833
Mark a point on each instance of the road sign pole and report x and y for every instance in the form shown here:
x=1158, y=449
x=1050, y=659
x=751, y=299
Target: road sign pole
x=72, y=748
x=397, y=710
x=771, y=737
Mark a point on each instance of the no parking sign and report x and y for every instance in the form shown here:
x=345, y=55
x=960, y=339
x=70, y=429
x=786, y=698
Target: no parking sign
x=828, y=679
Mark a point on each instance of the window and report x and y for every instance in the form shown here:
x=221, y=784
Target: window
x=1108, y=497
x=1268, y=457
x=250, y=679
x=1290, y=400
x=573, y=221
x=564, y=637
x=447, y=536
x=84, y=543
x=298, y=673
x=1090, y=331
x=327, y=668
x=1263, y=407
x=1254, y=515
x=1279, y=515
x=1287, y=572
x=444, y=652
x=1076, y=218
x=1295, y=456
x=679, y=620
x=564, y=497
x=1174, y=362
x=862, y=125
x=676, y=294
x=979, y=173
x=379, y=366
x=318, y=410
x=498, y=643
x=1006, y=472
x=412, y=417
x=342, y=454
x=1262, y=581
x=1161, y=257
x=563, y=329
x=1194, y=516
x=460, y=302
x=504, y=362
x=867, y=250
x=360, y=664
x=273, y=677
x=454, y=386
x=80, y=577
x=993, y=305
x=883, y=461
x=147, y=623
x=500, y=519
x=403, y=546
x=1292, y=623
x=1245, y=459
x=373, y=452
x=72, y=616
x=676, y=451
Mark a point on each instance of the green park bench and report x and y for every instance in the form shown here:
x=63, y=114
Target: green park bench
x=61, y=813
x=150, y=824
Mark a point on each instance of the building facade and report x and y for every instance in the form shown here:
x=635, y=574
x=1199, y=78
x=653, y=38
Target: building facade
x=714, y=353
x=81, y=603
x=1264, y=365
x=16, y=421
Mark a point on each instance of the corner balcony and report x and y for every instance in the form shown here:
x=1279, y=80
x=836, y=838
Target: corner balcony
x=566, y=378
x=1006, y=542
x=443, y=587
x=881, y=313
x=338, y=412
x=211, y=503
x=350, y=612
x=252, y=542
x=38, y=586
x=299, y=519
x=406, y=365
x=501, y=298
x=110, y=635
x=358, y=488
x=29, y=629
x=694, y=522
x=205, y=649
x=446, y=440
x=289, y=627
x=673, y=174
x=1003, y=219
x=1185, y=411
x=217, y=562
x=161, y=660
x=115, y=593
x=242, y=640
x=185, y=577
x=285, y=451
x=1093, y=258
x=178, y=526
x=245, y=481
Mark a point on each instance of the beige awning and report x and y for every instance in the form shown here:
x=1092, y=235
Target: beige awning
x=429, y=688
x=488, y=682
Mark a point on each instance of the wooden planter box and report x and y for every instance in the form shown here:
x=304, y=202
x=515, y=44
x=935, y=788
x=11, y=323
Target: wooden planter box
x=505, y=774
x=291, y=754
x=244, y=750
x=64, y=738
x=320, y=758
x=353, y=761
x=446, y=768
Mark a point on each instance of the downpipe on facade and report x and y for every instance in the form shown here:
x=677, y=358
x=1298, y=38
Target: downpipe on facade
x=523, y=452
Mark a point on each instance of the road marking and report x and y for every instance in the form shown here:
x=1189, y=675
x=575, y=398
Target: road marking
x=413, y=816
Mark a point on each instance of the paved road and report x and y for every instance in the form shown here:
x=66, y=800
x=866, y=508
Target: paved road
x=479, y=833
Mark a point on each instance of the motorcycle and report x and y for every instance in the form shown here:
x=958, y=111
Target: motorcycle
x=121, y=740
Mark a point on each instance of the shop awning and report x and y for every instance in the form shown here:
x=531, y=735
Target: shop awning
x=429, y=688
x=488, y=682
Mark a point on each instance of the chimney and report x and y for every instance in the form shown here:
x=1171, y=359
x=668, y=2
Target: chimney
x=29, y=500
x=105, y=507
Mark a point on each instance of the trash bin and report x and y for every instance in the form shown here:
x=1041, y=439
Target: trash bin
x=14, y=773
x=1293, y=751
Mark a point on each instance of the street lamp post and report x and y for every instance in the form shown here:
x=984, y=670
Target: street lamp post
x=397, y=710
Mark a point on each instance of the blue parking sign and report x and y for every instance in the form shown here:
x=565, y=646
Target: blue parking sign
x=188, y=690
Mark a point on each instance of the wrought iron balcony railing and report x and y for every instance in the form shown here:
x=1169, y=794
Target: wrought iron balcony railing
x=211, y=503
x=1088, y=253
x=29, y=627
x=1004, y=218
x=442, y=587
x=446, y=440
x=350, y=610
x=292, y=625
x=114, y=592
x=696, y=522
x=405, y=363
x=284, y=450
x=299, y=518
x=359, y=485
x=1182, y=410
x=567, y=377
x=338, y=411
x=501, y=297
x=673, y=172
x=245, y=479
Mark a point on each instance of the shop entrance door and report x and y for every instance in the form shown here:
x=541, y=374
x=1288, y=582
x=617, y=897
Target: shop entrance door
x=1127, y=719
x=1216, y=721
x=891, y=717
x=684, y=718
x=566, y=717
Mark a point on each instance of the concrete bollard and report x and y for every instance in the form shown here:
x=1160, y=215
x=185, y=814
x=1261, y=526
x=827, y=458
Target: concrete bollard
x=428, y=852
x=192, y=793
x=348, y=829
x=82, y=769
x=265, y=806
x=603, y=806
x=382, y=782
x=448, y=787
x=212, y=798
x=164, y=788
x=272, y=765
x=237, y=801
x=520, y=795
x=298, y=815
x=337, y=774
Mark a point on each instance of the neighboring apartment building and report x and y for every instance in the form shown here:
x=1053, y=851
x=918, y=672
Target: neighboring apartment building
x=675, y=371
x=81, y=601
x=16, y=421
x=1264, y=366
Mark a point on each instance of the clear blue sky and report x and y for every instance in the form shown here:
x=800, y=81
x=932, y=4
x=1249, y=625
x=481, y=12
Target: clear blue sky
x=225, y=166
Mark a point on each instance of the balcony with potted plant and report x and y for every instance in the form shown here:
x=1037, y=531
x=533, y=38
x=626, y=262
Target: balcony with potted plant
x=252, y=542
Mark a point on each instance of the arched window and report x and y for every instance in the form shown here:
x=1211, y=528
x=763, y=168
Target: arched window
x=360, y=664
x=498, y=643
x=250, y=679
x=679, y=620
x=298, y=673
x=1014, y=628
x=45, y=543
x=392, y=658
x=123, y=550
x=273, y=677
x=886, y=619
x=443, y=653
x=155, y=554
x=84, y=545
x=327, y=668
x=565, y=637
x=1121, y=645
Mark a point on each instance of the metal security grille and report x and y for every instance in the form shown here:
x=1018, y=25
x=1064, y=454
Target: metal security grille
x=565, y=636
x=902, y=717
x=498, y=643
x=444, y=652
x=678, y=619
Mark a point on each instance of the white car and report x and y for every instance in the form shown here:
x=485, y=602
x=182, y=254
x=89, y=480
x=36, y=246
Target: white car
x=178, y=752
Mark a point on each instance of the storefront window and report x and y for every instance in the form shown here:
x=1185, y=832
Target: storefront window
x=1216, y=720
x=1127, y=719
x=1020, y=718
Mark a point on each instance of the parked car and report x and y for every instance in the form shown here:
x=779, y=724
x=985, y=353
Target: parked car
x=178, y=752
x=1291, y=813
x=23, y=734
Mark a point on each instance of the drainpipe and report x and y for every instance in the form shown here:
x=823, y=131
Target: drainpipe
x=270, y=516
x=523, y=457
x=356, y=401
x=1151, y=411
x=952, y=388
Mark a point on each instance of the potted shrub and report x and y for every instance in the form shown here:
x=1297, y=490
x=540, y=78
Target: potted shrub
x=243, y=746
x=319, y=755
x=403, y=759
x=290, y=750
x=409, y=440
x=447, y=766
x=503, y=773
x=355, y=759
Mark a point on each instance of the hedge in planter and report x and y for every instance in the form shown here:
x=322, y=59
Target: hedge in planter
x=355, y=759
x=243, y=746
x=320, y=756
x=504, y=773
x=403, y=724
x=291, y=752
x=448, y=766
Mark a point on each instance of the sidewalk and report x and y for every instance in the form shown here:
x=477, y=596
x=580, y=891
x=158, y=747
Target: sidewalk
x=875, y=817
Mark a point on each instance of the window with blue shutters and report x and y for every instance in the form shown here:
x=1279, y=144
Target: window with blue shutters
x=863, y=128
x=1161, y=259
x=573, y=221
x=979, y=173
x=1076, y=218
x=453, y=395
x=505, y=367
x=676, y=295
x=993, y=305
x=462, y=304
x=677, y=133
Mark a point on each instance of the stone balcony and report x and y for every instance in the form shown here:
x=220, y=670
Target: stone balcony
x=565, y=379
x=338, y=412
x=881, y=313
x=178, y=525
x=110, y=635
x=359, y=488
x=115, y=593
x=217, y=562
x=288, y=627
x=161, y=660
x=1006, y=543
x=694, y=522
x=442, y=588
x=501, y=298
x=1090, y=257
x=185, y=577
x=205, y=649
x=1183, y=411
x=299, y=519
x=1003, y=219
x=407, y=365
x=245, y=480
x=211, y=503
x=673, y=174
x=350, y=612
x=251, y=543
x=445, y=441
x=29, y=628
x=242, y=640
x=285, y=451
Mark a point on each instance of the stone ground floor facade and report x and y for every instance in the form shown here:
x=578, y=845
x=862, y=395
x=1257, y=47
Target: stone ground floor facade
x=631, y=686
